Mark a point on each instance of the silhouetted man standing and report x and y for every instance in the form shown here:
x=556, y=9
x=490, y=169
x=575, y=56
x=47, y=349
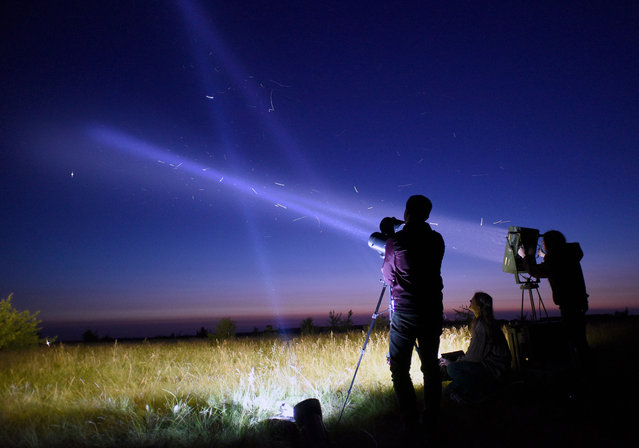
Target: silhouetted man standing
x=412, y=268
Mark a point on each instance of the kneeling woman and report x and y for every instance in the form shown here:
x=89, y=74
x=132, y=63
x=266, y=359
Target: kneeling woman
x=486, y=363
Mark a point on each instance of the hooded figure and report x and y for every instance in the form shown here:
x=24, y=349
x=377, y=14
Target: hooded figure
x=562, y=268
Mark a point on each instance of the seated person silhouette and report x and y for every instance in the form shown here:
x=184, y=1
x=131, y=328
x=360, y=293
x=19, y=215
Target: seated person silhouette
x=485, y=366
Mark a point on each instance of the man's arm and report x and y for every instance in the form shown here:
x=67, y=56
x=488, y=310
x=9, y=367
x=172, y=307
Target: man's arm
x=388, y=268
x=538, y=270
x=530, y=263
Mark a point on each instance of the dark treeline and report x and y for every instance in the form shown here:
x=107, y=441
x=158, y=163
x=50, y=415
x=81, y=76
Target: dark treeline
x=336, y=323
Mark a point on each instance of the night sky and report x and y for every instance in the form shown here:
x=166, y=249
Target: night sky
x=168, y=160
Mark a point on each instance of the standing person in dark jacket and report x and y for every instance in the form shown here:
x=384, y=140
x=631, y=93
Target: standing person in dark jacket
x=562, y=268
x=412, y=268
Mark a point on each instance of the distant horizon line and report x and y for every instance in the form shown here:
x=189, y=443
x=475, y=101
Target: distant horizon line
x=136, y=328
x=238, y=318
x=552, y=310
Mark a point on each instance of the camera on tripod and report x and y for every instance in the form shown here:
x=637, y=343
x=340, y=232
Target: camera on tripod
x=528, y=239
x=519, y=237
x=388, y=226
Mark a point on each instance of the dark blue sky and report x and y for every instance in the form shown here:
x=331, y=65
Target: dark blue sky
x=183, y=159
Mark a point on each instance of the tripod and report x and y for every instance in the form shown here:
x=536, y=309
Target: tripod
x=370, y=330
x=529, y=285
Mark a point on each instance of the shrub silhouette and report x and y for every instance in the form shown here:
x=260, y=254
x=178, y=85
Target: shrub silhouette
x=225, y=329
x=337, y=324
x=202, y=333
x=18, y=329
x=307, y=326
x=90, y=336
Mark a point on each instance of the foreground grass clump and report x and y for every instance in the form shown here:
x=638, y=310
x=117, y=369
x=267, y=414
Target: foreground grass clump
x=184, y=393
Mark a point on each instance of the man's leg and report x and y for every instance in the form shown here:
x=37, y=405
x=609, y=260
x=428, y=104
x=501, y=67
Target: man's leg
x=402, y=341
x=574, y=323
x=428, y=348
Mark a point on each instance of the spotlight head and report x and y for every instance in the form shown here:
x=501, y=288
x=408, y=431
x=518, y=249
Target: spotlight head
x=377, y=241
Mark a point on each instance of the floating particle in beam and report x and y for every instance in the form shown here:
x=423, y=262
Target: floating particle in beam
x=280, y=205
x=279, y=83
x=272, y=108
x=355, y=189
x=279, y=184
x=210, y=97
x=297, y=219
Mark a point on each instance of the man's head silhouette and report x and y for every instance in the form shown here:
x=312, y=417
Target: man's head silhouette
x=418, y=208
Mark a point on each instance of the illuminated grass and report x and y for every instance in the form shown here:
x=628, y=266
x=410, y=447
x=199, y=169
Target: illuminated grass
x=201, y=393
x=185, y=392
x=608, y=332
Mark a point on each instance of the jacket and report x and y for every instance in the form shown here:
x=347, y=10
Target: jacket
x=412, y=268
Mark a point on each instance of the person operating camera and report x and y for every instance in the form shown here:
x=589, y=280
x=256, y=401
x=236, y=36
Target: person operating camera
x=562, y=268
x=412, y=268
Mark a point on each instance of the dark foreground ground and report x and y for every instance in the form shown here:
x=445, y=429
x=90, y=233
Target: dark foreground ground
x=539, y=408
x=545, y=409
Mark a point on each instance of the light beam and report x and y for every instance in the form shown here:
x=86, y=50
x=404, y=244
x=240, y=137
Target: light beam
x=338, y=219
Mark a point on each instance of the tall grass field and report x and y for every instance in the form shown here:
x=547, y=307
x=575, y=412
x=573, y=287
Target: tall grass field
x=182, y=393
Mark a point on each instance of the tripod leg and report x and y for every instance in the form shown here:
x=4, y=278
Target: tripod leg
x=541, y=305
x=532, y=304
x=370, y=330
